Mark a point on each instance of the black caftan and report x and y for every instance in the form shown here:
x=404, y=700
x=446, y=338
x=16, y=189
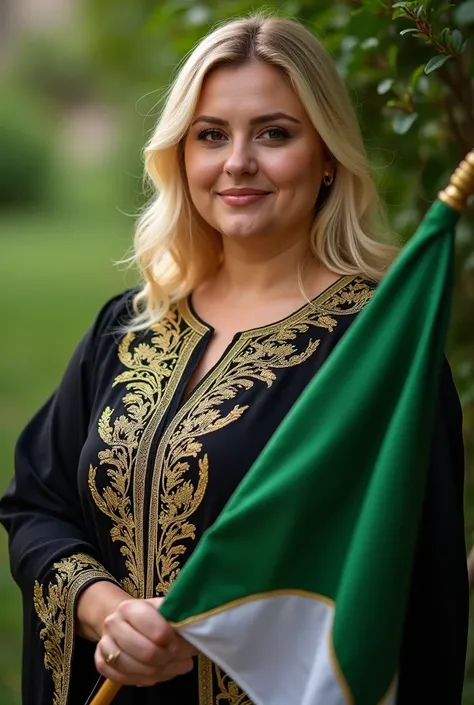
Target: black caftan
x=118, y=475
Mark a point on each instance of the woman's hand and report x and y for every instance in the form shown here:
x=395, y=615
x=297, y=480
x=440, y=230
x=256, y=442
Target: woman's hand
x=140, y=646
x=95, y=603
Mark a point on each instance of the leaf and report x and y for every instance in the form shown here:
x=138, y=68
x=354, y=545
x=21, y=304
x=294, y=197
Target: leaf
x=457, y=40
x=445, y=37
x=410, y=30
x=415, y=77
x=436, y=62
x=464, y=13
x=402, y=122
x=370, y=43
x=197, y=15
x=438, y=11
x=392, y=55
x=398, y=12
x=385, y=85
x=469, y=262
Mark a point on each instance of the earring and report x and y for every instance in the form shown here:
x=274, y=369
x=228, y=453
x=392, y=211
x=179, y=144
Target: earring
x=328, y=179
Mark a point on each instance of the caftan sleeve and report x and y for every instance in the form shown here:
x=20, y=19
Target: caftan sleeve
x=53, y=555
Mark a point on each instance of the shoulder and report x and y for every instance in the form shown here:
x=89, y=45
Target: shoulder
x=115, y=314
x=350, y=295
x=101, y=340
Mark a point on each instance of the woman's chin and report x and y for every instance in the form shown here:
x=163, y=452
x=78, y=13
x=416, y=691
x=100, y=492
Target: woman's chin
x=242, y=231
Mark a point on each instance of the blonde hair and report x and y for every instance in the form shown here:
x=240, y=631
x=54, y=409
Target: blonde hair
x=175, y=248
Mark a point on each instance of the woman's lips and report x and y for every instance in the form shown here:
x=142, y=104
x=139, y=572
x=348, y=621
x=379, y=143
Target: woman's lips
x=242, y=200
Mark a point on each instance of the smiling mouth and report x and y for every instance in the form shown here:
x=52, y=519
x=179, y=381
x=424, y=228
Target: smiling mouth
x=244, y=199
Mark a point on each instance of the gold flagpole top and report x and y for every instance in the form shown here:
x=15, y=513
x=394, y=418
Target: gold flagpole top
x=461, y=185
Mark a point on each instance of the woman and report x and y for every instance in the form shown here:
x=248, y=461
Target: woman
x=258, y=252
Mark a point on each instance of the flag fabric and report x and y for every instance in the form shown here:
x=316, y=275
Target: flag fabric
x=298, y=591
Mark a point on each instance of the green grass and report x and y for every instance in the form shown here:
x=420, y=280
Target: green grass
x=56, y=271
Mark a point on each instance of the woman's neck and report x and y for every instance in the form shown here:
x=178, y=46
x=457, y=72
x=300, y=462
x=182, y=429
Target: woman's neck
x=250, y=273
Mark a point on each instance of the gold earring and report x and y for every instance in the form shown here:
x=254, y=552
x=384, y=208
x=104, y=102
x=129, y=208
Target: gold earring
x=328, y=179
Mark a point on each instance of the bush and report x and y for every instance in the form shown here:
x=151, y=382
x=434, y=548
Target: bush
x=26, y=146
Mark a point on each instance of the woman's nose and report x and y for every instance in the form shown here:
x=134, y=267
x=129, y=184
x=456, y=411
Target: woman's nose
x=241, y=159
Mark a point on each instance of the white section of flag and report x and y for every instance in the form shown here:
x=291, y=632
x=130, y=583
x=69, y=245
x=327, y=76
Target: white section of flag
x=294, y=633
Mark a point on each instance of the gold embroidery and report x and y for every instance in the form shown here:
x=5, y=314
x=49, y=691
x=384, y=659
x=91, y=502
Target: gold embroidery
x=265, y=348
x=206, y=689
x=248, y=361
x=350, y=299
x=56, y=612
x=229, y=690
x=129, y=437
x=254, y=357
x=153, y=373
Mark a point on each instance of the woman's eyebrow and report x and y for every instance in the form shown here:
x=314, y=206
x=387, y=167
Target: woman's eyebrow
x=254, y=121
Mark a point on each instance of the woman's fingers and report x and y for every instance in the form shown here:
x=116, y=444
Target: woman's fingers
x=176, y=668
x=145, y=619
x=125, y=670
x=186, y=650
x=137, y=646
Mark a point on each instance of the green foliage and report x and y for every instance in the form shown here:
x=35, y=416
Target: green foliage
x=464, y=13
x=57, y=270
x=26, y=149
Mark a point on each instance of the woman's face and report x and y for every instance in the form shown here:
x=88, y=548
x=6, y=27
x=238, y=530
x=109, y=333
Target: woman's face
x=253, y=160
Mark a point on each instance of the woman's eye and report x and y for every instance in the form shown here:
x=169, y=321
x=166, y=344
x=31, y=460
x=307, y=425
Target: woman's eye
x=270, y=134
x=210, y=135
x=275, y=133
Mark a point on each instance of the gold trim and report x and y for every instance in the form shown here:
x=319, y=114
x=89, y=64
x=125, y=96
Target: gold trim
x=391, y=688
x=315, y=304
x=143, y=454
x=317, y=597
x=190, y=404
x=205, y=681
x=338, y=670
x=57, y=612
x=252, y=598
x=461, y=185
x=153, y=366
x=228, y=690
x=253, y=355
x=191, y=319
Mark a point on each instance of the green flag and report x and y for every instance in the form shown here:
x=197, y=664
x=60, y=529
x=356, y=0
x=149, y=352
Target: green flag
x=298, y=591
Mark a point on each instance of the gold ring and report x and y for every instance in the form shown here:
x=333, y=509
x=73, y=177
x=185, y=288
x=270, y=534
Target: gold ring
x=111, y=658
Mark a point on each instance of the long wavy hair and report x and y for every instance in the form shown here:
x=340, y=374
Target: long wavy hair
x=175, y=248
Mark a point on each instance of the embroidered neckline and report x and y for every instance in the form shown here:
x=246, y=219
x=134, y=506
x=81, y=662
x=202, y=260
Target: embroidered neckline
x=195, y=321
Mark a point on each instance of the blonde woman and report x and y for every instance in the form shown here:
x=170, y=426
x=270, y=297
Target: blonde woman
x=258, y=252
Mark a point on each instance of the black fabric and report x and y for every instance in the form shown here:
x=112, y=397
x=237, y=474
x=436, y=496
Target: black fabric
x=118, y=476
x=435, y=636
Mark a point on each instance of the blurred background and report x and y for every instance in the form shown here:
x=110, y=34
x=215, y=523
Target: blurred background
x=81, y=87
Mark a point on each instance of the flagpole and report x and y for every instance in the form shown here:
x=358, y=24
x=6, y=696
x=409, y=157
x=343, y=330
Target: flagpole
x=106, y=694
x=461, y=186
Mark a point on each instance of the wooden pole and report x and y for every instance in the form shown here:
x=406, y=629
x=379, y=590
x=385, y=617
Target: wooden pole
x=107, y=692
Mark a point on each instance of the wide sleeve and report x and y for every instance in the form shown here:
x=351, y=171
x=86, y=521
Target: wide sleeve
x=53, y=555
x=435, y=637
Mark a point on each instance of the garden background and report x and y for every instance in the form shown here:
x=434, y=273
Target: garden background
x=81, y=86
